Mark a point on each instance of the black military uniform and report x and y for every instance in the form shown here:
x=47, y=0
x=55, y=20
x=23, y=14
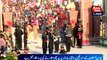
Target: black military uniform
x=25, y=36
x=75, y=32
x=51, y=42
x=18, y=35
x=44, y=42
x=79, y=39
x=56, y=45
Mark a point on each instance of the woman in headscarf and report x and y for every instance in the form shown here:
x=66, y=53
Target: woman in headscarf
x=35, y=30
x=28, y=28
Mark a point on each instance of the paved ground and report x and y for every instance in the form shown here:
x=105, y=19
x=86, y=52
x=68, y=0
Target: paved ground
x=36, y=48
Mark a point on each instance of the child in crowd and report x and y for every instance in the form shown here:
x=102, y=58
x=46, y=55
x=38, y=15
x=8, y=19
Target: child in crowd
x=62, y=50
x=26, y=51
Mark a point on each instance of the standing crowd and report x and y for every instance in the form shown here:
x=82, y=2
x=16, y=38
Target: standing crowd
x=52, y=21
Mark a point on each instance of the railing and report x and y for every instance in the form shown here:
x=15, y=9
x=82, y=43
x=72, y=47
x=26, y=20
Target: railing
x=102, y=41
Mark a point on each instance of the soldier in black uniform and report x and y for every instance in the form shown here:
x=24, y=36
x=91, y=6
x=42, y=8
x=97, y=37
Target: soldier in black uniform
x=51, y=41
x=79, y=36
x=44, y=42
x=18, y=35
x=75, y=33
x=25, y=36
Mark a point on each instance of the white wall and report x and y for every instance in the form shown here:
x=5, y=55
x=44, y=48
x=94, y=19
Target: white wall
x=98, y=2
x=76, y=0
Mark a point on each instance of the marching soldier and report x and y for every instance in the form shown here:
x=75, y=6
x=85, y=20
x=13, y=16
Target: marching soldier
x=79, y=36
x=51, y=41
x=25, y=36
x=18, y=35
x=44, y=42
x=75, y=33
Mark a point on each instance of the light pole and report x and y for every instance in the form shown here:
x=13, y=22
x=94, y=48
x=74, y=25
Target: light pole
x=65, y=4
x=1, y=27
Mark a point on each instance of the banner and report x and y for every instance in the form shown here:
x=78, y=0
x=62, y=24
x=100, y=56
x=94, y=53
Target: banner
x=60, y=57
x=97, y=11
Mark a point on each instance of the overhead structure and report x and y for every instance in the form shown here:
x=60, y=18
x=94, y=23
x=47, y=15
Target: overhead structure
x=71, y=5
